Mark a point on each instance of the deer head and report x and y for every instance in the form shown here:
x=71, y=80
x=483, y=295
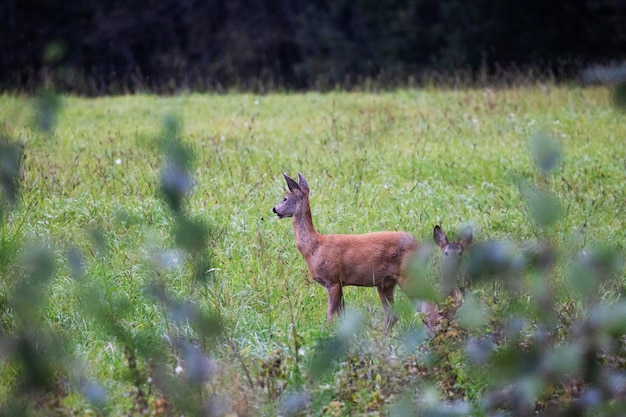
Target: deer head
x=296, y=200
x=452, y=252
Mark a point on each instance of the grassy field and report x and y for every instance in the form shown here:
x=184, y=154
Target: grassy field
x=405, y=160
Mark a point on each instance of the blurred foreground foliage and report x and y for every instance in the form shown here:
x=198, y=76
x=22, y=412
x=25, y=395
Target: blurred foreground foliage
x=168, y=371
x=492, y=352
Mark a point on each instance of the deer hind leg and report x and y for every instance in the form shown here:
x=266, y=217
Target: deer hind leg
x=385, y=292
x=335, y=301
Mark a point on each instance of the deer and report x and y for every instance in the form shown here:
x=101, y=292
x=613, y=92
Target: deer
x=450, y=265
x=375, y=259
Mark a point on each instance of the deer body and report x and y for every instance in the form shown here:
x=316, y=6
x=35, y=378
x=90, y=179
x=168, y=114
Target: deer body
x=377, y=259
x=365, y=260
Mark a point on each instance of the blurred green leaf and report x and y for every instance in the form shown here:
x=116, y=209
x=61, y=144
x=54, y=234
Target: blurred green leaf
x=36, y=360
x=529, y=388
x=29, y=296
x=513, y=362
x=294, y=403
x=495, y=260
x=419, y=284
x=404, y=407
x=328, y=351
x=198, y=368
x=54, y=52
x=610, y=318
x=619, y=96
x=546, y=151
x=175, y=151
x=351, y=323
x=98, y=240
x=565, y=359
x=543, y=206
x=472, y=314
x=176, y=180
x=175, y=184
x=38, y=351
x=47, y=106
x=479, y=350
x=76, y=263
x=95, y=393
x=591, y=268
x=414, y=337
x=539, y=256
x=10, y=168
x=192, y=235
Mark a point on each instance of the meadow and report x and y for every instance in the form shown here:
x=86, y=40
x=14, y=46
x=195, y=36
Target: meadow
x=204, y=306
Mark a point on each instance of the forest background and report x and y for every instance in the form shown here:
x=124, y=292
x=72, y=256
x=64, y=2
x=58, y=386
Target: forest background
x=99, y=47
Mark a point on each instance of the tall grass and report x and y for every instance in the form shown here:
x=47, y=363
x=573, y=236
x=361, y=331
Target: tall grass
x=92, y=201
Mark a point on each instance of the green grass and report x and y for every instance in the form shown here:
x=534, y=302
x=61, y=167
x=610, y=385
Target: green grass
x=405, y=160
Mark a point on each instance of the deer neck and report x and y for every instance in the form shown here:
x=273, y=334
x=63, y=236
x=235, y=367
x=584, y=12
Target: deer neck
x=304, y=231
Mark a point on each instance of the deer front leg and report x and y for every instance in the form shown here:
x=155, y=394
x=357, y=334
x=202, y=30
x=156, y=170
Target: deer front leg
x=335, y=300
x=386, y=299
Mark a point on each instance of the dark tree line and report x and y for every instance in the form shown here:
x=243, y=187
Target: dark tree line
x=98, y=46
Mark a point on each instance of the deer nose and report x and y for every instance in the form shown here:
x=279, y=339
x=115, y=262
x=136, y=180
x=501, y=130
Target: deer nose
x=274, y=210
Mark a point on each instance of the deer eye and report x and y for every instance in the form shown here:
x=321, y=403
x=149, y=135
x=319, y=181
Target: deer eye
x=285, y=199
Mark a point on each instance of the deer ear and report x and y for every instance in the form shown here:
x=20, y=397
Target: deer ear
x=303, y=184
x=466, y=237
x=440, y=237
x=291, y=184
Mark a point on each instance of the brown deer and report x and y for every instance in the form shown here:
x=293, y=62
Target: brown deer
x=378, y=259
x=450, y=265
x=452, y=252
